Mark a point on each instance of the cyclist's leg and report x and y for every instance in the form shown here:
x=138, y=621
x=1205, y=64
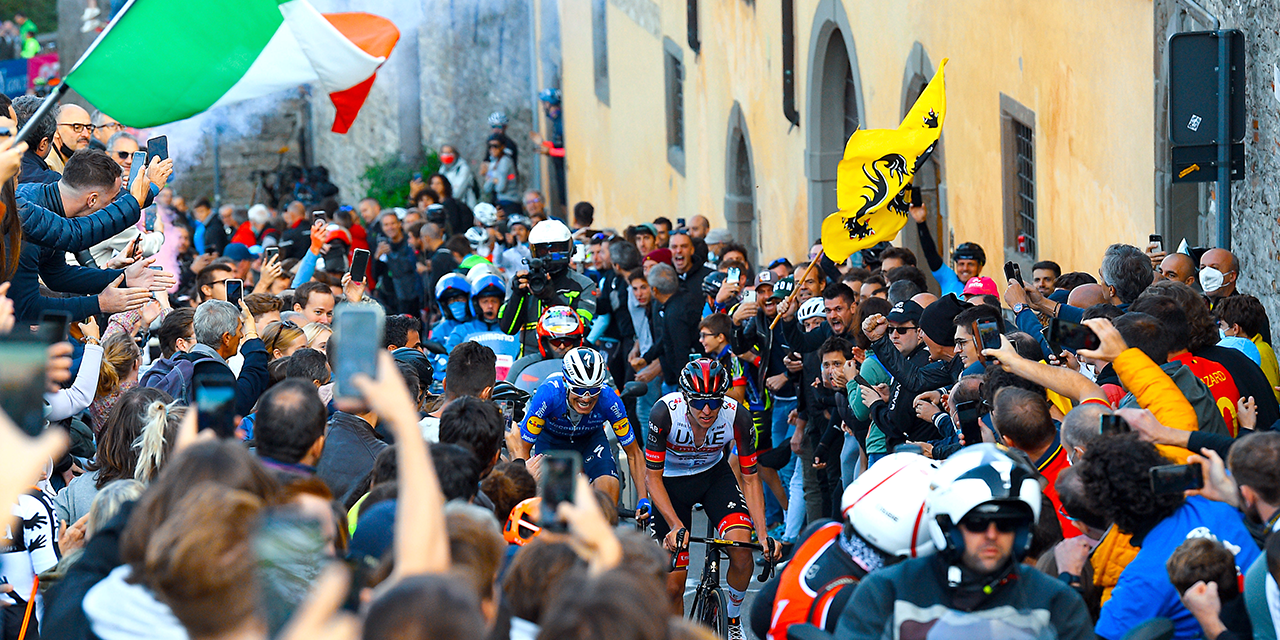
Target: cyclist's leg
x=726, y=506
x=599, y=465
x=681, y=490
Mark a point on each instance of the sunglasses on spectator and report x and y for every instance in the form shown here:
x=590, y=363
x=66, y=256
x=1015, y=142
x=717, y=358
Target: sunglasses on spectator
x=123, y=155
x=981, y=523
x=1063, y=512
x=902, y=331
x=78, y=127
x=778, y=263
x=586, y=392
x=703, y=403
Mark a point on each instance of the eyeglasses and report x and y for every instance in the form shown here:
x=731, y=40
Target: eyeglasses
x=902, y=331
x=981, y=523
x=533, y=200
x=1063, y=512
x=566, y=343
x=585, y=392
x=707, y=334
x=123, y=155
x=703, y=403
x=78, y=127
x=111, y=125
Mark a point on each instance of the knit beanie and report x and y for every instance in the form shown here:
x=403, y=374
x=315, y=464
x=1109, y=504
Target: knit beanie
x=938, y=319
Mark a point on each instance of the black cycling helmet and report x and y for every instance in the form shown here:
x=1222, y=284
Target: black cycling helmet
x=969, y=251
x=711, y=284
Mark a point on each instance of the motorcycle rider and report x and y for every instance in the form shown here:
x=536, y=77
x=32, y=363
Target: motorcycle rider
x=558, y=330
x=487, y=294
x=546, y=283
x=453, y=294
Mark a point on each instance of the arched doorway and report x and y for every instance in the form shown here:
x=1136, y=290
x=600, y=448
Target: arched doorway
x=931, y=178
x=834, y=107
x=740, y=187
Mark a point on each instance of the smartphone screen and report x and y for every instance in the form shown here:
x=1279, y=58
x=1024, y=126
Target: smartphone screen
x=318, y=214
x=53, y=326
x=22, y=379
x=357, y=338
x=1158, y=241
x=158, y=147
x=216, y=403
x=1111, y=424
x=680, y=223
x=559, y=474
x=989, y=334
x=235, y=291
x=359, y=264
x=139, y=163
x=970, y=426
x=269, y=253
x=1072, y=336
x=1176, y=478
x=733, y=275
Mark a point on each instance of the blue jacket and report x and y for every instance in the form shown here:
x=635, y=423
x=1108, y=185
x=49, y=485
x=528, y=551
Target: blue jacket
x=463, y=331
x=35, y=169
x=40, y=262
x=44, y=222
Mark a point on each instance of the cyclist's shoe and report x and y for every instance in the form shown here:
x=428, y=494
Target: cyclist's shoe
x=735, y=629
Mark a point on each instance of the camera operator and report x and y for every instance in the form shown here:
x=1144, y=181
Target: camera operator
x=547, y=282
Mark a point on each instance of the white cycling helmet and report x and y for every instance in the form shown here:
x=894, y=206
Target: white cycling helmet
x=885, y=505
x=485, y=213
x=497, y=119
x=476, y=236
x=814, y=307
x=584, y=367
x=983, y=480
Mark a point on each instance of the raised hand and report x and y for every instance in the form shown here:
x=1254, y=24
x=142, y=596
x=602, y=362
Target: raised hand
x=115, y=298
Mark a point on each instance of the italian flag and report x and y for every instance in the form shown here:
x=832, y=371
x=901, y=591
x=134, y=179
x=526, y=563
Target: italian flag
x=161, y=61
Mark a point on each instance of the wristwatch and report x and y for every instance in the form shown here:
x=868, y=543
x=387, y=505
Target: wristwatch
x=1019, y=308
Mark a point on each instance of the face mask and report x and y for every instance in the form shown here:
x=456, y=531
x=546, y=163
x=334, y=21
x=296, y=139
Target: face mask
x=458, y=309
x=1211, y=279
x=447, y=158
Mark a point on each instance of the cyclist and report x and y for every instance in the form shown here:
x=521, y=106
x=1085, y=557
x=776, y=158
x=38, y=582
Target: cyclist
x=687, y=455
x=980, y=513
x=571, y=411
x=882, y=510
x=559, y=330
x=487, y=294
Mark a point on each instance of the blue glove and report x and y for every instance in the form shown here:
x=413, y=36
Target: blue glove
x=643, y=507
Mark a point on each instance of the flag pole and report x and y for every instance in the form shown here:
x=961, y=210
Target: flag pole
x=796, y=290
x=43, y=110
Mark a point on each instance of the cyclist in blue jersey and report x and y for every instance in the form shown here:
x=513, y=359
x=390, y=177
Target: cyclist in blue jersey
x=571, y=412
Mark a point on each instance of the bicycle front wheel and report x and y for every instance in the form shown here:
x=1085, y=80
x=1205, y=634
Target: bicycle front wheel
x=709, y=610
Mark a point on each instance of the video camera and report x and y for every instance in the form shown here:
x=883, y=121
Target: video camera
x=539, y=277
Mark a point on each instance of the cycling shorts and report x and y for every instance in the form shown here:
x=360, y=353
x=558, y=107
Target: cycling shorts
x=597, y=456
x=717, y=490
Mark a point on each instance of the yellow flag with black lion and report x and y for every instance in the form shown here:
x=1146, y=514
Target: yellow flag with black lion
x=878, y=164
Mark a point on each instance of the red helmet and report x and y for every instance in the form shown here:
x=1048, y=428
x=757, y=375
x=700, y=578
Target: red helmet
x=560, y=325
x=704, y=378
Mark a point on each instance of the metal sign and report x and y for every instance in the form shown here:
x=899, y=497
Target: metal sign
x=1193, y=87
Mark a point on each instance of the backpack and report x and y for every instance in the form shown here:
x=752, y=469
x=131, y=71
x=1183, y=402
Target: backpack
x=175, y=375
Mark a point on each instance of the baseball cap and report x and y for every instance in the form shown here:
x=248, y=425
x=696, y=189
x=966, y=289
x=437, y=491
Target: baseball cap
x=719, y=236
x=647, y=228
x=766, y=277
x=784, y=287
x=905, y=312
x=981, y=285
x=237, y=252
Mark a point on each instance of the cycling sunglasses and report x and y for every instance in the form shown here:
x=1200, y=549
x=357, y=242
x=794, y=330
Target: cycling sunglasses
x=702, y=403
x=980, y=523
x=585, y=392
x=566, y=343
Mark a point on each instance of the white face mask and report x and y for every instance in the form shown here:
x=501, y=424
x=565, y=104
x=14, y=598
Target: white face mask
x=1211, y=279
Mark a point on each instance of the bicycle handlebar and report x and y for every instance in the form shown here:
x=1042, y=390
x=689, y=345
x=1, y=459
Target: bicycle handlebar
x=765, y=573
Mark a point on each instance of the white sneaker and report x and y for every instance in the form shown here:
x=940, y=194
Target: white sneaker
x=90, y=13
x=735, y=629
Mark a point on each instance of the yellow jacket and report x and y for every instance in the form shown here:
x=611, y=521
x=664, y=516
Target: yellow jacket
x=1110, y=557
x=1269, y=364
x=1155, y=391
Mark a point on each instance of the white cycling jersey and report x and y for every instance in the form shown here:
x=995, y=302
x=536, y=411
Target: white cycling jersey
x=672, y=448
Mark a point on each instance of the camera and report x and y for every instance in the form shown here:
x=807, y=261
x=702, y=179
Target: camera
x=539, y=278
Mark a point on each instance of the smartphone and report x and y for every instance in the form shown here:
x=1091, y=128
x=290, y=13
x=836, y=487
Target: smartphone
x=136, y=252
x=1013, y=272
x=733, y=275
x=680, y=223
x=235, y=291
x=989, y=335
x=269, y=253
x=1176, y=478
x=216, y=403
x=158, y=147
x=970, y=425
x=862, y=381
x=1112, y=425
x=139, y=163
x=1062, y=334
x=560, y=471
x=1158, y=241
x=22, y=379
x=319, y=214
x=917, y=200
x=53, y=326
x=359, y=263
x=749, y=295
x=290, y=550
x=417, y=176
x=357, y=339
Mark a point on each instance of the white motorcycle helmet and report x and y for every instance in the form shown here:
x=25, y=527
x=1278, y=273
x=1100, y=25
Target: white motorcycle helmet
x=885, y=505
x=551, y=241
x=985, y=479
x=814, y=307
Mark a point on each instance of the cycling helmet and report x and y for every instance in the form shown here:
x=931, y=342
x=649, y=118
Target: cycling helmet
x=486, y=214
x=435, y=213
x=704, y=377
x=550, y=96
x=982, y=479
x=814, y=307
x=482, y=269
x=497, y=119
x=519, y=219
x=584, y=368
x=711, y=284
x=969, y=251
x=521, y=526
x=551, y=241
x=476, y=236
x=885, y=505
x=558, y=323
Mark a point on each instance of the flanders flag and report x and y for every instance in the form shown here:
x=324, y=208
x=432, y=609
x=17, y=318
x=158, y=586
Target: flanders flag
x=877, y=164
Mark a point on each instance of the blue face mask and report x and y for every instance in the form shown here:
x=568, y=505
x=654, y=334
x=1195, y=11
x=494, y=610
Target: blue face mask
x=458, y=309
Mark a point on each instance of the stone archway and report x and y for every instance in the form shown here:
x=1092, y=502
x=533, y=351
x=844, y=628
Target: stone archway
x=834, y=106
x=740, y=186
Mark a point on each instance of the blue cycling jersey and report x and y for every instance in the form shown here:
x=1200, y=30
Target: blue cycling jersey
x=549, y=410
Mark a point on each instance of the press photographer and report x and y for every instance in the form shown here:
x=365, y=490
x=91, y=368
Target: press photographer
x=547, y=282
